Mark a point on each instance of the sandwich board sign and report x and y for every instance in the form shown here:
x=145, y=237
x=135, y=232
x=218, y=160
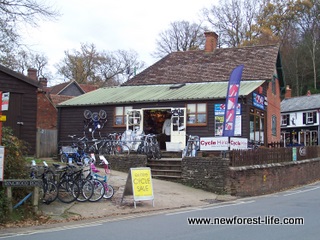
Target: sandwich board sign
x=139, y=184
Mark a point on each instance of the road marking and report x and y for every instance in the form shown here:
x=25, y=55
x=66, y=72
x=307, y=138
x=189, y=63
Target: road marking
x=212, y=207
x=56, y=229
x=301, y=191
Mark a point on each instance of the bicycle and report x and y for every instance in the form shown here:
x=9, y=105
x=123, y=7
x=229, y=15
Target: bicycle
x=114, y=145
x=132, y=138
x=108, y=189
x=49, y=191
x=192, y=147
x=76, y=152
x=85, y=185
x=68, y=189
x=150, y=146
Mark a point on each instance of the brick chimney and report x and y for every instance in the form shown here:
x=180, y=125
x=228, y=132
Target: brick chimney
x=288, y=92
x=43, y=82
x=32, y=73
x=211, y=41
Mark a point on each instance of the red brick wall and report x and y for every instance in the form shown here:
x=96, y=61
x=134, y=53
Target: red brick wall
x=259, y=180
x=47, y=113
x=274, y=101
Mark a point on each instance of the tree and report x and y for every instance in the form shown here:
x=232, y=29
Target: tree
x=233, y=20
x=89, y=66
x=13, y=13
x=181, y=36
x=293, y=24
x=309, y=23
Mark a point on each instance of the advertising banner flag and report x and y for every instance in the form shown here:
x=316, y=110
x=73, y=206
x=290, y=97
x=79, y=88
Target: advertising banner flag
x=232, y=102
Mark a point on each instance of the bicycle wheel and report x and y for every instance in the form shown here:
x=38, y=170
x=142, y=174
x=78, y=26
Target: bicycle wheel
x=68, y=192
x=48, y=192
x=122, y=149
x=109, y=191
x=156, y=153
x=63, y=158
x=98, y=190
x=50, y=176
x=86, y=190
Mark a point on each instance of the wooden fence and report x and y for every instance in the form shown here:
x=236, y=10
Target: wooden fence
x=272, y=155
x=46, y=143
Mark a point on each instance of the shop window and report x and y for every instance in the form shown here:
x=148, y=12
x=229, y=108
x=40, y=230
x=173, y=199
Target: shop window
x=197, y=114
x=120, y=116
x=256, y=126
x=309, y=117
x=274, y=125
x=285, y=120
x=219, y=125
x=274, y=84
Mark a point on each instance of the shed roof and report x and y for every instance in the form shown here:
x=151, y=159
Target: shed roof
x=301, y=103
x=159, y=93
x=19, y=76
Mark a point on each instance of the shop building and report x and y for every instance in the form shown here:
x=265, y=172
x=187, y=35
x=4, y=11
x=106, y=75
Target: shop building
x=190, y=89
x=300, y=119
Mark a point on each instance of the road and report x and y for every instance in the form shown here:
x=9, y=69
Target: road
x=254, y=218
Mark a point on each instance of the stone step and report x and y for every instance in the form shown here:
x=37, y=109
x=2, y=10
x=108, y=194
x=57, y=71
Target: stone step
x=166, y=171
x=166, y=167
x=166, y=176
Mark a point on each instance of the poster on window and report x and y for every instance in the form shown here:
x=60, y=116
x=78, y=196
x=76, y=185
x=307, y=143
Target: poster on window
x=219, y=109
x=219, y=125
x=5, y=101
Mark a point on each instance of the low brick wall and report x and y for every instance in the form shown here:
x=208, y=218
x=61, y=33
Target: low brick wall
x=214, y=174
x=123, y=163
x=207, y=173
x=269, y=178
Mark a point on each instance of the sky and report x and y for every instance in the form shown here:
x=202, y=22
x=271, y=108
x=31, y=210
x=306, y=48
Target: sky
x=110, y=26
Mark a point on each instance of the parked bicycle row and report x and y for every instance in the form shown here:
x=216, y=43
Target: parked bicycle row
x=71, y=182
x=81, y=149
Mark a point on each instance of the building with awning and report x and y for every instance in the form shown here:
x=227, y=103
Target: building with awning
x=194, y=85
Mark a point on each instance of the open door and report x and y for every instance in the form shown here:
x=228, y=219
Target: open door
x=178, y=126
x=134, y=119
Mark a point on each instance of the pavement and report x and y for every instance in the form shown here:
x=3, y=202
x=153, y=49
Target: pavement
x=168, y=196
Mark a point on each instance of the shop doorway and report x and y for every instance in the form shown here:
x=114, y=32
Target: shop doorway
x=157, y=121
x=169, y=124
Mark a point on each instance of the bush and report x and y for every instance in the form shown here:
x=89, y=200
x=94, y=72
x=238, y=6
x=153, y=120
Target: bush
x=14, y=168
x=4, y=209
x=14, y=157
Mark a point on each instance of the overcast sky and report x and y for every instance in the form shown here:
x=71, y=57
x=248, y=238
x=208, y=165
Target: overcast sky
x=111, y=25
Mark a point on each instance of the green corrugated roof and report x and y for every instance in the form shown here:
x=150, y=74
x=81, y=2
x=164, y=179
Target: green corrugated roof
x=155, y=93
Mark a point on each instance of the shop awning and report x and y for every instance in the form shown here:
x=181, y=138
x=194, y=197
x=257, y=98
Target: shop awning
x=159, y=93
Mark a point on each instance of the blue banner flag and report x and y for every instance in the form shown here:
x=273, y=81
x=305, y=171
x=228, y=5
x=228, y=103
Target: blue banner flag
x=232, y=102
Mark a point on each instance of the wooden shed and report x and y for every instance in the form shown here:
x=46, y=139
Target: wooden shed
x=22, y=109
